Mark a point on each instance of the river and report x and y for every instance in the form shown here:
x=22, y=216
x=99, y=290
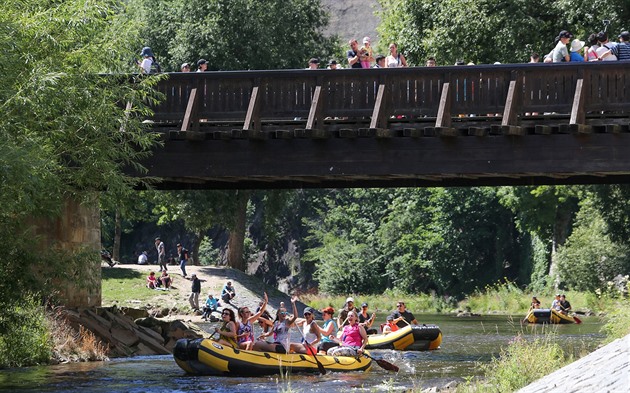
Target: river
x=467, y=343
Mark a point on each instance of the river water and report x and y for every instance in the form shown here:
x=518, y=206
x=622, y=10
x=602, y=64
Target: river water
x=467, y=343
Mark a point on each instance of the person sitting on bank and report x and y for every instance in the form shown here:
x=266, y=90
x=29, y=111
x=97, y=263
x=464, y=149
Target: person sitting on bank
x=211, y=305
x=280, y=332
x=564, y=304
x=227, y=331
x=310, y=331
x=390, y=326
x=228, y=292
x=535, y=303
x=245, y=332
x=328, y=331
x=143, y=259
x=407, y=317
x=367, y=320
x=151, y=281
x=165, y=280
x=353, y=339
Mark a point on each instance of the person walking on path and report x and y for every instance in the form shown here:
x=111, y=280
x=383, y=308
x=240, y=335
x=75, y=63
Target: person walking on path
x=161, y=251
x=195, y=290
x=182, y=256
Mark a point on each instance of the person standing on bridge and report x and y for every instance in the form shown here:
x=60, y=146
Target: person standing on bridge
x=161, y=251
x=561, y=52
x=202, y=65
x=182, y=256
x=353, y=54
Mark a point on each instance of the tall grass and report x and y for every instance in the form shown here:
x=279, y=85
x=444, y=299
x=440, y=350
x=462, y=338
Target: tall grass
x=71, y=345
x=24, y=334
x=521, y=363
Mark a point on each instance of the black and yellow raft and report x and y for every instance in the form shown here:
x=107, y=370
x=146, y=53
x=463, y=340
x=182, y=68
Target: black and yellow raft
x=410, y=338
x=208, y=357
x=546, y=315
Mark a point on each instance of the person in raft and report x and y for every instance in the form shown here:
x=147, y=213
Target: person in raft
x=310, y=332
x=407, y=317
x=227, y=331
x=328, y=331
x=245, y=333
x=280, y=332
x=353, y=339
x=390, y=326
x=535, y=303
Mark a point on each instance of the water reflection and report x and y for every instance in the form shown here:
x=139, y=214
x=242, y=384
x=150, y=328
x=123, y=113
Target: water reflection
x=467, y=343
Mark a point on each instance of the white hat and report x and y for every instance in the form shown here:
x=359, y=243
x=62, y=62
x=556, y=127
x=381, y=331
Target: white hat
x=576, y=45
x=349, y=300
x=366, y=39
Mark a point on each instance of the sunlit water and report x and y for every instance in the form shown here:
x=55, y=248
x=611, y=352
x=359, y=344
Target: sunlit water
x=467, y=343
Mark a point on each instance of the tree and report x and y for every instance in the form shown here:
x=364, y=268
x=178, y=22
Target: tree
x=236, y=34
x=486, y=31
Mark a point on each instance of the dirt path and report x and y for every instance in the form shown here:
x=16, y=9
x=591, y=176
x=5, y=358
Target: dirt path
x=249, y=290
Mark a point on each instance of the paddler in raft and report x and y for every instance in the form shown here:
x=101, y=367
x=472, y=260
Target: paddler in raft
x=310, y=332
x=280, y=331
x=328, y=331
x=245, y=332
x=353, y=339
x=227, y=331
x=407, y=317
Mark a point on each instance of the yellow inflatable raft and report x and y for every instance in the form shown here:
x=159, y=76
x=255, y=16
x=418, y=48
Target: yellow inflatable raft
x=546, y=315
x=208, y=357
x=410, y=338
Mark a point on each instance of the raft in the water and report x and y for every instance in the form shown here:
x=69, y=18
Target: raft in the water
x=208, y=357
x=410, y=338
x=546, y=315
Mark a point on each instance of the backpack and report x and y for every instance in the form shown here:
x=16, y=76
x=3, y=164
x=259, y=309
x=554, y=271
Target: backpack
x=155, y=67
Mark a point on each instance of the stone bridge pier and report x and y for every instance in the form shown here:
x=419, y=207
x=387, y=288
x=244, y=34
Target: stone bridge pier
x=76, y=233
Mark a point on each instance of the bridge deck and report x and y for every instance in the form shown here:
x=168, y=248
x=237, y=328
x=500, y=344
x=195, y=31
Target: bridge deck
x=557, y=124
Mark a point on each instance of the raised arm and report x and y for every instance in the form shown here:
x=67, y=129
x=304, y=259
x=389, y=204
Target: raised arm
x=261, y=311
x=295, y=313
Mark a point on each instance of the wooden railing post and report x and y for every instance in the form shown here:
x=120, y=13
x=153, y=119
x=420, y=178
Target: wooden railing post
x=443, y=121
x=509, y=124
x=190, y=116
x=252, y=118
x=577, y=122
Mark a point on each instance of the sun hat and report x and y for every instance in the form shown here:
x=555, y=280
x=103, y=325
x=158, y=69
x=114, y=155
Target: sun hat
x=576, y=45
x=348, y=300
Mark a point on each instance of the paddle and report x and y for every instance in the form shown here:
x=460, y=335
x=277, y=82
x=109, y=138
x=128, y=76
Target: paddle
x=384, y=363
x=577, y=320
x=313, y=351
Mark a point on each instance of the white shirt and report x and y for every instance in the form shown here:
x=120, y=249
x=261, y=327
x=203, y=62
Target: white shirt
x=142, y=259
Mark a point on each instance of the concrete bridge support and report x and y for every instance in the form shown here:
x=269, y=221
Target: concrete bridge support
x=76, y=235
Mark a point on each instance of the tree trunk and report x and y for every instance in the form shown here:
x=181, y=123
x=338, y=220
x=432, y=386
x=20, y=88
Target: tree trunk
x=236, y=241
x=195, y=248
x=561, y=229
x=117, y=235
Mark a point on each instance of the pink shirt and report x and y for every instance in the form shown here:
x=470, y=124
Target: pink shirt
x=352, y=335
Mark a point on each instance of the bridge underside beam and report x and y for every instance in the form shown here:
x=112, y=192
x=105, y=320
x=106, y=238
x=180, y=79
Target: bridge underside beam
x=400, y=161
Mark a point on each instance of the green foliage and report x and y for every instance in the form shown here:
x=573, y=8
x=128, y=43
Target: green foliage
x=618, y=323
x=485, y=31
x=503, y=296
x=590, y=259
x=520, y=364
x=24, y=334
x=208, y=254
x=235, y=34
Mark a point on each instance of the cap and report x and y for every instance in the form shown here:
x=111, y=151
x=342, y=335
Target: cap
x=193, y=275
x=332, y=62
x=366, y=39
x=364, y=305
x=146, y=51
x=179, y=244
x=348, y=300
x=625, y=35
x=309, y=310
x=185, y=65
x=313, y=60
x=201, y=62
x=157, y=238
x=390, y=318
x=557, y=294
x=379, y=58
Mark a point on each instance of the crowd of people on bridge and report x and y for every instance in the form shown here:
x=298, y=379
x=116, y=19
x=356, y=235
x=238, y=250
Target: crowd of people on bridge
x=567, y=48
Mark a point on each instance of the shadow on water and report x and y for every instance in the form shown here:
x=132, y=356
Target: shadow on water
x=467, y=343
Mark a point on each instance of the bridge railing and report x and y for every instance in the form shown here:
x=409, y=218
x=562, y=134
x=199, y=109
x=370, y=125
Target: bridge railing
x=511, y=90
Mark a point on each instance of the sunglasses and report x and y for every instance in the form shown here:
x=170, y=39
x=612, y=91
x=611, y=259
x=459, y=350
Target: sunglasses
x=400, y=305
x=225, y=313
x=282, y=313
x=307, y=313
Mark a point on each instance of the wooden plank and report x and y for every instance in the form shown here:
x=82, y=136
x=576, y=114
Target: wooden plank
x=252, y=118
x=315, y=113
x=190, y=115
x=379, y=114
x=444, y=110
x=512, y=103
x=578, y=113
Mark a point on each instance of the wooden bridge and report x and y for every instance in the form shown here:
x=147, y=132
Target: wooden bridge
x=511, y=124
